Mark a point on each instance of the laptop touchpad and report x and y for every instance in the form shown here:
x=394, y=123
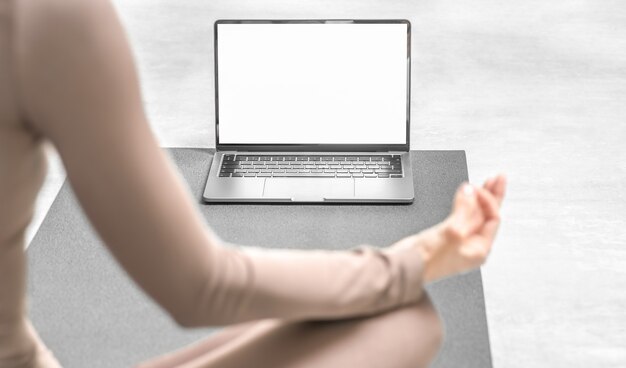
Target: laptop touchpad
x=308, y=189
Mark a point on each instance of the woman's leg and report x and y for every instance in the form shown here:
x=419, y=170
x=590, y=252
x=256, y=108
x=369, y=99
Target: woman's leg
x=201, y=348
x=406, y=337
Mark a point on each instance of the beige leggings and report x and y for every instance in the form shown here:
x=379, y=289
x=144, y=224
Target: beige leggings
x=405, y=337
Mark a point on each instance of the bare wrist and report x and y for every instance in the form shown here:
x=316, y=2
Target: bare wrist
x=430, y=241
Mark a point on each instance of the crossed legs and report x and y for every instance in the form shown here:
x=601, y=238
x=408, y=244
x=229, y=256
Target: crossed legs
x=405, y=337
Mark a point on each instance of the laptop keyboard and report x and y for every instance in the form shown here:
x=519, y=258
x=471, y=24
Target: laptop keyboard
x=323, y=166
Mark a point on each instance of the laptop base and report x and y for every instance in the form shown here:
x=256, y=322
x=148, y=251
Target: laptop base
x=309, y=189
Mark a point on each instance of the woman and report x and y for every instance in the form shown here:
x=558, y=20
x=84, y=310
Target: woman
x=67, y=77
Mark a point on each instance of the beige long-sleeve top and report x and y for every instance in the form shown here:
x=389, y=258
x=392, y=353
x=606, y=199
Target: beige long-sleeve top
x=67, y=77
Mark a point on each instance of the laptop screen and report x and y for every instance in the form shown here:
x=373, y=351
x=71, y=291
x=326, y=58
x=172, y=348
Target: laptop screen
x=312, y=83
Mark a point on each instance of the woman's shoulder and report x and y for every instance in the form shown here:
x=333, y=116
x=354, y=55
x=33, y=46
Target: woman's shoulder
x=61, y=20
x=63, y=49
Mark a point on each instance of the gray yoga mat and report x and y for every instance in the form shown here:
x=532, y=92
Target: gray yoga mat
x=92, y=315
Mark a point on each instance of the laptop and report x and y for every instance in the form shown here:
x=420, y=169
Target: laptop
x=311, y=111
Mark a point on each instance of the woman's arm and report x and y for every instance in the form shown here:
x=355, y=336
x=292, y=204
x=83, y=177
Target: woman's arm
x=78, y=87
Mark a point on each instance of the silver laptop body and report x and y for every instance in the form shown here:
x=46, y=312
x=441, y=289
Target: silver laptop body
x=311, y=111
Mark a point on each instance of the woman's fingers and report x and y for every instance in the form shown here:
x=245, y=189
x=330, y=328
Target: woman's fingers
x=476, y=251
x=489, y=230
x=490, y=201
x=497, y=186
x=500, y=188
x=488, y=204
x=463, y=198
x=476, y=209
x=489, y=184
x=466, y=216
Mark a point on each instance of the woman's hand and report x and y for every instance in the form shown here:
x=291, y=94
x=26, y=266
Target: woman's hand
x=463, y=240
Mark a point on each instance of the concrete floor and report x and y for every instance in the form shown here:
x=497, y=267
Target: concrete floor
x=534, y=89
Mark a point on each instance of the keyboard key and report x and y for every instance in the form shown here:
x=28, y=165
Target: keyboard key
x=237, y=175
x=327, y=158
x=249, y=175
x=351, y=158
x=395, y=176
x=263, y=175
x=229, y=157
x=364, y=158
x=377, y=158
x=224, y=175
x=383, y=175
x=343, y=175
x=370, y=175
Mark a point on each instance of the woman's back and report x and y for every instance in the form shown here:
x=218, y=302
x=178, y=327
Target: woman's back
x=22, y=163
x=22, y=168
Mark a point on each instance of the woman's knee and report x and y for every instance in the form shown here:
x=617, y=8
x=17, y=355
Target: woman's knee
x=418, y=333
x=407, y=337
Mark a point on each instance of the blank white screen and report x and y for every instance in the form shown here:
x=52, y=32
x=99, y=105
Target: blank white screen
x=312, y=83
